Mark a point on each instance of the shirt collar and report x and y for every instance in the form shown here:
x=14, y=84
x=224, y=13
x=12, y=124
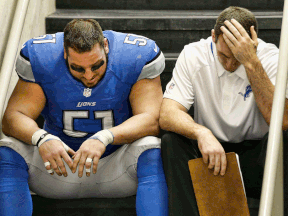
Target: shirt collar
x=240, y=72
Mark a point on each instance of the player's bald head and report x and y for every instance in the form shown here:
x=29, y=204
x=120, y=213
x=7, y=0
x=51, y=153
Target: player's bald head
x=82, y=35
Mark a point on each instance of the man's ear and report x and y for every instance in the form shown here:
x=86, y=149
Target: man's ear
x=106, y=45
x=65, y=54
x=213, y=35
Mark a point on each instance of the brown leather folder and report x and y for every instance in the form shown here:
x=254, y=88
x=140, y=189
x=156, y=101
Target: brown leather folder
x=219, y=195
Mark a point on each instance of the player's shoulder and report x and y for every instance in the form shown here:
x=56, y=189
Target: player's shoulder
x=127, y=42
x=39, y=56
x=130, y=53
x=43, y=44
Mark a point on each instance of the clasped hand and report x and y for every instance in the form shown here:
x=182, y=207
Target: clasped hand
x=238, y=40
x=53, y=151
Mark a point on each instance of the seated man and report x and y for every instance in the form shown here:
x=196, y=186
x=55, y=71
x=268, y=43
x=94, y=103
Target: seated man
x=229, y=78
x=100, y=95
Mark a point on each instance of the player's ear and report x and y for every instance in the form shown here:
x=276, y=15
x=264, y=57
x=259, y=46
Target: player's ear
x=213, y=35
x=106, y=45
x=65, y=54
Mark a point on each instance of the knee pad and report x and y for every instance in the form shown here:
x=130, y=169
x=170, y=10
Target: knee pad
x=150, y=163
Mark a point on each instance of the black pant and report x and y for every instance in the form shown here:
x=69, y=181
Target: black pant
x=178, y=150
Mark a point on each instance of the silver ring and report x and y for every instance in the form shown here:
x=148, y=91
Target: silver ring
x=47, y=164
x=89, y=160
x=88, y=170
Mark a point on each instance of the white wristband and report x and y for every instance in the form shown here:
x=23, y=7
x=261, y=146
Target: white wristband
x=37, y=136
x=104, y=136
x=41, y=136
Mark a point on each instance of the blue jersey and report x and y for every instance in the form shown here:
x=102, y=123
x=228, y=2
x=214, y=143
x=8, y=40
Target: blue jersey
x=74, y=112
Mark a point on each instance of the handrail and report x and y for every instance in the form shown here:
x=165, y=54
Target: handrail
x=11, y=52
x=275, y=130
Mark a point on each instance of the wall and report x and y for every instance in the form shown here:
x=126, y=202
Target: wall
x=34, y=25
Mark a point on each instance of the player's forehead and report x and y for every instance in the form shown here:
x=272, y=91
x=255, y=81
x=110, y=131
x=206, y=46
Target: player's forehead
x=92, y=57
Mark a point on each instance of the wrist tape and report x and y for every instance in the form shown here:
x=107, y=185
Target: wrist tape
x=41, y=136
x=104, y=136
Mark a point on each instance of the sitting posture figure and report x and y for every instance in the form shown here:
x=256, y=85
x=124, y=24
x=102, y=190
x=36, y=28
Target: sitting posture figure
x=229, y=78
x=100, y=95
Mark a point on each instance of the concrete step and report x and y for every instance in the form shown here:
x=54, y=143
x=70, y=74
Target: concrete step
x=170, y=29
x=169, y=4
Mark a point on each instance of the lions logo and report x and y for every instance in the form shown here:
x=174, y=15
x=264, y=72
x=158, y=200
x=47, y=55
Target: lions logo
x=248, y=90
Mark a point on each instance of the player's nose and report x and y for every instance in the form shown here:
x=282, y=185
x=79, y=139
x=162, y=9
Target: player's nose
x=88, y=74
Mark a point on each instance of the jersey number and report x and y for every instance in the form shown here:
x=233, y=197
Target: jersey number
x=142, y=40
x=69, y=116
x=42, y=39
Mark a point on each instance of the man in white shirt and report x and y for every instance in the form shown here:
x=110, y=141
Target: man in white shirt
x=229, y=78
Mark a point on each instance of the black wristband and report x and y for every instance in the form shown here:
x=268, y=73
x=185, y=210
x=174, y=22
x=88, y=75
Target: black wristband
x=41, y=137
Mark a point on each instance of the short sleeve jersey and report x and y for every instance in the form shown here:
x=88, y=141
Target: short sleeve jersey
x=74, y=112
x=223, y=101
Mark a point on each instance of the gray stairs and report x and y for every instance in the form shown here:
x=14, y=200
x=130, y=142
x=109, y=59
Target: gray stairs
x=171, y=29
x=170, y=4
x=172, y=24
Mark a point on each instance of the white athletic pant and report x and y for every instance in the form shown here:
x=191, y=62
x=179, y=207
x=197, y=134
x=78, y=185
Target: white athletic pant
x=116, y=174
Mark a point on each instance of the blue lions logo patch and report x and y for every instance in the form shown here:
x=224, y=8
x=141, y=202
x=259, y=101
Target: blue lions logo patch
x=248, y=90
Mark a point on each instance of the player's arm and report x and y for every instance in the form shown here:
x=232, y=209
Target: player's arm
x=145, y=98
x=244, y=49
x=24, y=107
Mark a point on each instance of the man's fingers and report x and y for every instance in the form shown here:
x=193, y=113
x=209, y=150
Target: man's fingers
x=55, y=167
x=67, y=159
x=48, y=167
x=239, y=28
x=88, y=164
x=95, y=164
x=217, y=165
x=228, y=41
x=254, y=36
x=71, y=152
x=211, y=161
x=81, y=165
x=205, y=158
x=61, y=166
x=75, y=162
x=235, y=32
x=223, y=164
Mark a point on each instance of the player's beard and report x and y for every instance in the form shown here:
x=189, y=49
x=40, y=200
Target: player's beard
x=78, y=80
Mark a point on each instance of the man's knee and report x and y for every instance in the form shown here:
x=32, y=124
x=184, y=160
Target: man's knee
x=8, y=155
x=150, y=163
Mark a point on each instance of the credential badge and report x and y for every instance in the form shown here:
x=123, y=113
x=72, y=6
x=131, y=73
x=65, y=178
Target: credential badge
x=87, y=92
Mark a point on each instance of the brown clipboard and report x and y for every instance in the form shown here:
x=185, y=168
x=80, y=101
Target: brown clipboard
x=219, y=195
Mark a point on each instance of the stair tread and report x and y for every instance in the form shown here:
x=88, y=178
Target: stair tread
x=151, y=14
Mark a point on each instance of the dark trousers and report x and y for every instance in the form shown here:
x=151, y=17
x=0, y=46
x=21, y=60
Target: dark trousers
x=178, y=150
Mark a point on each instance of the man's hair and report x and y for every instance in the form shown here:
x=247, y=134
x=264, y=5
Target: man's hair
x=245, y=17
x=82, y=35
